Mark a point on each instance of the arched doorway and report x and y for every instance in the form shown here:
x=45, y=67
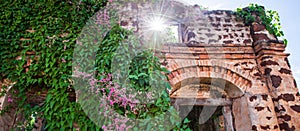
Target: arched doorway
x=214, y=123
x=207, y=102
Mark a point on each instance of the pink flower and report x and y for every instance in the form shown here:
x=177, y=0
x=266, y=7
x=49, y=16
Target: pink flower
x=9, y=99
x=112, y=89
x=104, y=127
x=128, y=127
x=63, y=60
x=110, y=0
x=111, y=103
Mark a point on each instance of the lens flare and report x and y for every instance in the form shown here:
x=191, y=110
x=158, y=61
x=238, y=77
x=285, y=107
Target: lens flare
x=157, y=24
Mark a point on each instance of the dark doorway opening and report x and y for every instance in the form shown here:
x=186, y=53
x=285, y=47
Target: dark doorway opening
x=214, y=123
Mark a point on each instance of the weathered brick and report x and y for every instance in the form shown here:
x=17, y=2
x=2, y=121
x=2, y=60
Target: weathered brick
x=258, y=27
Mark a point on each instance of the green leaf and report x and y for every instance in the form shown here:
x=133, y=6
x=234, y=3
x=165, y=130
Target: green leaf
x=52, y=104
x=185, y=121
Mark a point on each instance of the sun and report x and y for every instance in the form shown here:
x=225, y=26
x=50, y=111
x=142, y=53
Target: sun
x=157, y=24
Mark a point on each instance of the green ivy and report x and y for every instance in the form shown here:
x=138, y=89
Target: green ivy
x=44, y=33
x=118, y=49
x=269, y=18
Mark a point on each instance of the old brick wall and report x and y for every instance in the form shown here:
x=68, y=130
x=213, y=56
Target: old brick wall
x=276, y=70
x=216, y=27
x=217, y=45
x=196, y=25
x=235, y=64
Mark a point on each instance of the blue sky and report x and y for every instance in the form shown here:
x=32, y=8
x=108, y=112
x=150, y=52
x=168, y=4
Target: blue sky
x=289, y=17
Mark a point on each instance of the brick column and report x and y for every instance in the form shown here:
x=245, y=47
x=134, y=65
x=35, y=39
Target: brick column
x=276, y=71
x=254, y=112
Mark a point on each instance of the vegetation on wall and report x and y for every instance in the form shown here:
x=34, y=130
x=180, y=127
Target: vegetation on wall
x=269, y=18
x=37, y=42
x=42, y=34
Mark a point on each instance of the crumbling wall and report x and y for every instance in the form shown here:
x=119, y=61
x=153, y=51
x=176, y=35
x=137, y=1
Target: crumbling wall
x=196, y=25
x=216, y=44
x=275, y=69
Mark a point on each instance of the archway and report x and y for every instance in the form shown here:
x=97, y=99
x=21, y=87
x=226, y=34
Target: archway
x=206, y=101
x=215, y=123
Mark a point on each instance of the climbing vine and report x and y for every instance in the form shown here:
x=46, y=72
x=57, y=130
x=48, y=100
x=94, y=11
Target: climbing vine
x=269, y=18
x=36, y=47
x=37, y=42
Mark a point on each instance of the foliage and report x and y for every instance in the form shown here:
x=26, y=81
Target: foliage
x=37, y=42
x=269, y=18
x=139, y=81
x=44, y=34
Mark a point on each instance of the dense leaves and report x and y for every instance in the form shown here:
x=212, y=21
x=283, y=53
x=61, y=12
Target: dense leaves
x=36, y=47
x=269, y=18
x=37, y=42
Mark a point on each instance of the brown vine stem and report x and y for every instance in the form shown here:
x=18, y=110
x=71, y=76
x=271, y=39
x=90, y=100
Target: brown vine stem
x=14, y=119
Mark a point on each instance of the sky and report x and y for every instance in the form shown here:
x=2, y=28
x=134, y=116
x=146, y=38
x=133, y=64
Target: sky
x=289, y=18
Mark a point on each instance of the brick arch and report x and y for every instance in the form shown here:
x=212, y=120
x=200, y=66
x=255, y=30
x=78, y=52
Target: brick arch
x=184, y=71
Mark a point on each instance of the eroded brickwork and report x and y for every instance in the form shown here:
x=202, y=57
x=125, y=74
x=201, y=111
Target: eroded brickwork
x=218, y=50
x=216, y=27
x=216, y=45
x=196, y=25
x=274, y=65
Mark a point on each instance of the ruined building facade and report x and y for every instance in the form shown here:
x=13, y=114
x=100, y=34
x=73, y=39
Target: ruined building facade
x=218, y=60
x=220, y=66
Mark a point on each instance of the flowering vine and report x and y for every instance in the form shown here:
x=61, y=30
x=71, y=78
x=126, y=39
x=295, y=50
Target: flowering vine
x=49, y=68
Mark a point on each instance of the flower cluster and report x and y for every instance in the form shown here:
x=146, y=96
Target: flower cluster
x=112, y=94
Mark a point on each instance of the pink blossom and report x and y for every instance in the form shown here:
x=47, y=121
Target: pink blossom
x=63, y=60
x=149, y=95
x=110, y=0
x=112, y=89
x=104, y=127
x=9, y=99
x=116, y=95
x=128, y=127
x=111, y=102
